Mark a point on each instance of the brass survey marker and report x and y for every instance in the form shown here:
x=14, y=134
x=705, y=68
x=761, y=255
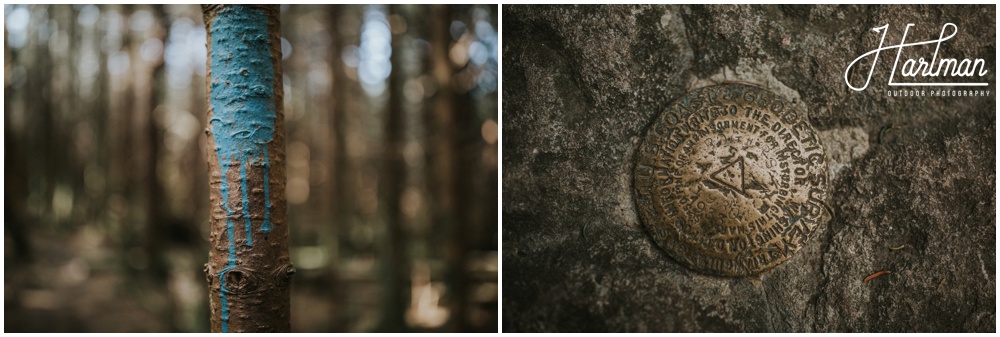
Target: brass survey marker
x=731, y=180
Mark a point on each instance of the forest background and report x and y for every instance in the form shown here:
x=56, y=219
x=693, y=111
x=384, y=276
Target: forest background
x=106, y=211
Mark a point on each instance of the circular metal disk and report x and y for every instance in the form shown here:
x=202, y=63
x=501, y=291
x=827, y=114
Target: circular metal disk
x=731, y=180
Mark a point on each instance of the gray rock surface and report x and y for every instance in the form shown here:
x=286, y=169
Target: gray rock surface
x=581, y=84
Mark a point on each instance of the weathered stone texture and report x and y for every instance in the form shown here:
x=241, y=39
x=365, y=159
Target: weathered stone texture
x=582, y=83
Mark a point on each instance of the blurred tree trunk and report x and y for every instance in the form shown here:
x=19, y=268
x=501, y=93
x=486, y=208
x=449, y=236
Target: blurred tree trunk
x=248, y=269
x=466, y=150
x=149, y=97
x=120, y=98
x=396, y=287
x=451, y=174
x=197, y=102
x=148, y=74
x=341, y=90
x=15, y=175
x=439, y=123
x=49, y=133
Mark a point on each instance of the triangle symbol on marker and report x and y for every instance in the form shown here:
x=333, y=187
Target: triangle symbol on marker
x=731, y=175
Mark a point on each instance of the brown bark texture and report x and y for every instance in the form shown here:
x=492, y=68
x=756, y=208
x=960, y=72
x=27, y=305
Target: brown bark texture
x=249, y=269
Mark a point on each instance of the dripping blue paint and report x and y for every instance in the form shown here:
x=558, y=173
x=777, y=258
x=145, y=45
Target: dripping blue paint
x=242, y=99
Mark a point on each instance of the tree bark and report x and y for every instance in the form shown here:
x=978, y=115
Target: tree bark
x=248, y=269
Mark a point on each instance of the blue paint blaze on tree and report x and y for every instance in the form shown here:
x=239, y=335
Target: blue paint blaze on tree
x=243, y=114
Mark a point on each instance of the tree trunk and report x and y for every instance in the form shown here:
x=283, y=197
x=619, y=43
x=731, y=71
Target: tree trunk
x=396, y=296
x=248, y=269
x=17, y=187
x=443, y=167
x=465, y=147
x=341, y=90
x=151, y=79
